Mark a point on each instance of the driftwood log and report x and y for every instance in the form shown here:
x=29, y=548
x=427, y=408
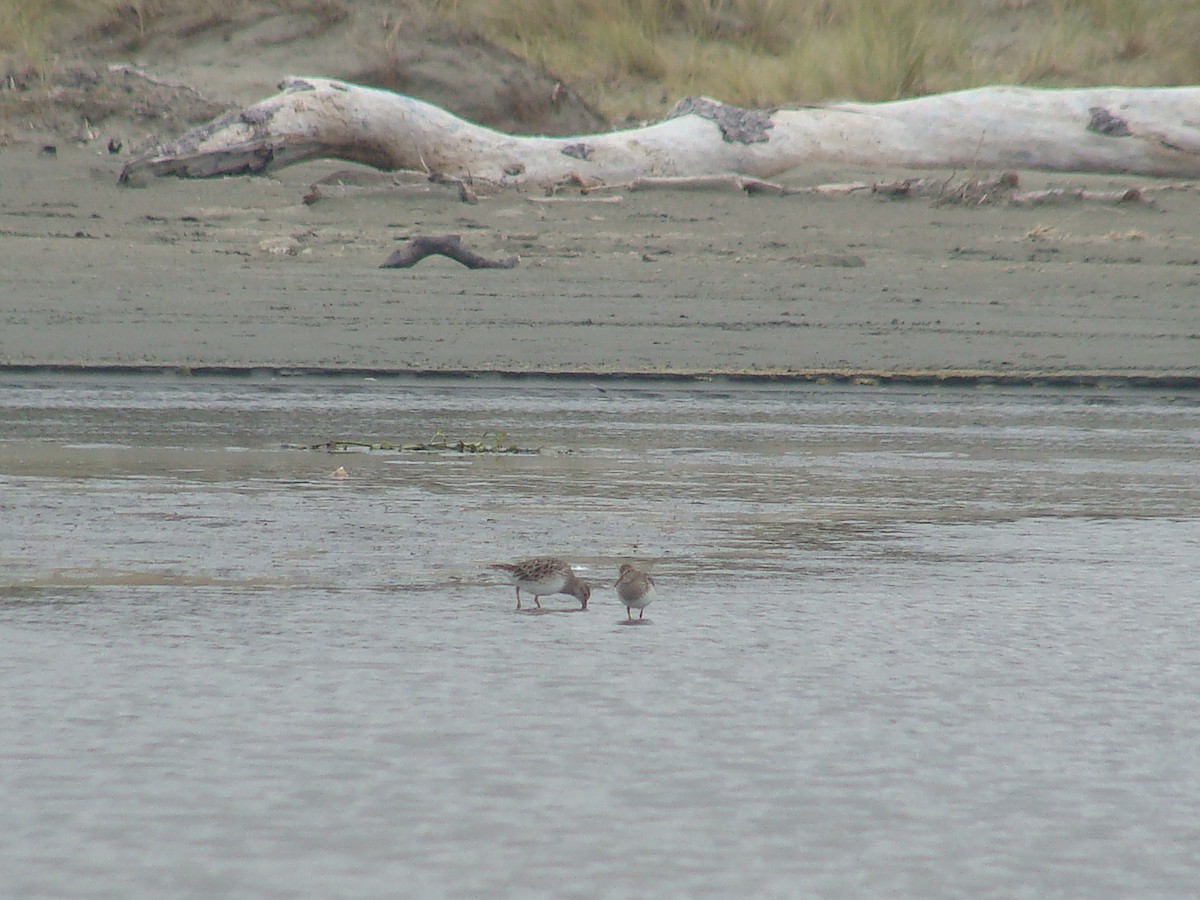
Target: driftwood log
x=1141, y=131
x=449, y=245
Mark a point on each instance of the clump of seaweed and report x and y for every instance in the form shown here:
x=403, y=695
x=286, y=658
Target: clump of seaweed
x=489, y=442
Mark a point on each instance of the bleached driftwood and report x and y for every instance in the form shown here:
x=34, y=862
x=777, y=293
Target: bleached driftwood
x=1143, y=131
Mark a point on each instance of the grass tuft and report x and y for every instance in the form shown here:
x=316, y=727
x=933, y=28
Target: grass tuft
x=775, y=52
x=633, y=58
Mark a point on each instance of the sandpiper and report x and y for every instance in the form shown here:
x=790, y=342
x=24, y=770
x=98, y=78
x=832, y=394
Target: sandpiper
x=635, y=588
x=544, y=575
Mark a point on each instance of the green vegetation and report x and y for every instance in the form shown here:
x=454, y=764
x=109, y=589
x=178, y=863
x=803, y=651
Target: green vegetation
x=633, y=58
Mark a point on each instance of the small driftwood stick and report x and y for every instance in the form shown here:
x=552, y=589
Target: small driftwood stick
x=446, y=245
x=575, y=198
x=707, y=183
x=1060, y=195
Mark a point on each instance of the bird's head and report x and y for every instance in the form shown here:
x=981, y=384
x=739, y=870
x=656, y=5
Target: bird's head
x=624, y=573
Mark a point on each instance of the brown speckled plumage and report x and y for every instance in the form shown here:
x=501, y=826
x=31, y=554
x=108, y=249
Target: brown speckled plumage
x=635, y=588
x=542, y=575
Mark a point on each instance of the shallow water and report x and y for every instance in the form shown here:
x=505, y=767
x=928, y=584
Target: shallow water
x=930, y=643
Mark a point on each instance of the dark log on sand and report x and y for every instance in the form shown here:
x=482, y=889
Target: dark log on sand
x=445, y=245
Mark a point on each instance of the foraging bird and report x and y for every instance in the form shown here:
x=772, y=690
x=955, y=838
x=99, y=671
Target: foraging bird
x=635, y=588
x=544, y=575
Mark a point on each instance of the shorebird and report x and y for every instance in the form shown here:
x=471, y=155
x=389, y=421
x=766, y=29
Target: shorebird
x=635, y=588
x=544, y=575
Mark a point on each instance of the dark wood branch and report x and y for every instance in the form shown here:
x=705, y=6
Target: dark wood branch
x=445, y=245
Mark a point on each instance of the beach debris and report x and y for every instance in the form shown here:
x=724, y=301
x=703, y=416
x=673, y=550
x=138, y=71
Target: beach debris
x=489, y=442
x=449, y=245
x=278, y=246
x=575, y=199
x=465, y=186
x=1067, y=195
x=992, y=127
x=743, y=183
x=978, y=191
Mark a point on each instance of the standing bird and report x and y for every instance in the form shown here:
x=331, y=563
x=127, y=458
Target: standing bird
x=544, y=575
x=635, y=588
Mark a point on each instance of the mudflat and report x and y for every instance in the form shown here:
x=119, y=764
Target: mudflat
x=241, y=273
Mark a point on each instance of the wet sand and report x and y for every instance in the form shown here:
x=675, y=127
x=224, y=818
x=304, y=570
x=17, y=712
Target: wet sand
x=240, y=274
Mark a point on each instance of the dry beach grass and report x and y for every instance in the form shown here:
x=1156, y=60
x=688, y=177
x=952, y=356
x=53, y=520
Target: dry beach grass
x=632, y=58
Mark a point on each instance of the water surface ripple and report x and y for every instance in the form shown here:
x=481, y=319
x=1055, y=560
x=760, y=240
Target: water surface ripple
x=907, y=642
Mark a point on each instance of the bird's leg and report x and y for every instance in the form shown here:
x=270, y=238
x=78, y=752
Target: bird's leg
x=629, y=612
x=641, y=612
x=537, y=601
x=518, y=598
